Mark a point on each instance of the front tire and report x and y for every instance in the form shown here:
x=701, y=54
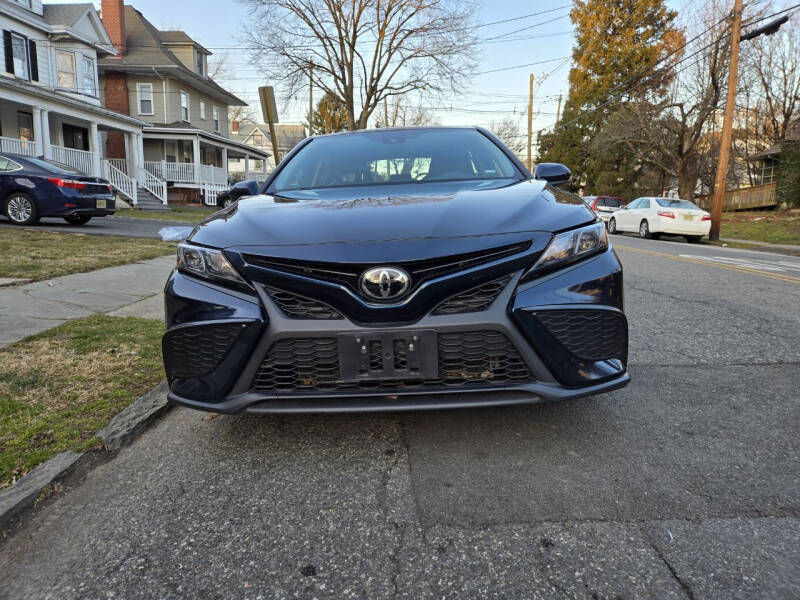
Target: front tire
x=21, y=209
x=612, y=226
x=77, y=219
x=644, y=230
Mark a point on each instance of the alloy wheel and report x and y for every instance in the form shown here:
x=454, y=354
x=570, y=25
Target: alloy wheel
x=19, y=209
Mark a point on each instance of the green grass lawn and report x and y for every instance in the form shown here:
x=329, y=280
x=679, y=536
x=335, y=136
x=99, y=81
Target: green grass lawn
x=45, y=254
x=187, y=214
x=762, y=227
x=58, y=388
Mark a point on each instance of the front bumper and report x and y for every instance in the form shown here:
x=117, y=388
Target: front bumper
x=246, y=327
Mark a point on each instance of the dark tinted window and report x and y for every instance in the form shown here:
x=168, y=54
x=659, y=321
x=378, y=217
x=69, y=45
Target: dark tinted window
x=612, y=202
x=675, y=203
x=53, y=166
x=395, y=156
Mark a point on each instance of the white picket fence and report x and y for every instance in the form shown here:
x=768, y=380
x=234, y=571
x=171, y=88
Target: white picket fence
x=211, y=191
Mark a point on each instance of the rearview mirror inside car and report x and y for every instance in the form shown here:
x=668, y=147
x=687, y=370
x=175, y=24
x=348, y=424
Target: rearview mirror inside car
x=553, y=173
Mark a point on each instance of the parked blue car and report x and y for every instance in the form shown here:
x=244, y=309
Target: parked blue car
x=31, y=188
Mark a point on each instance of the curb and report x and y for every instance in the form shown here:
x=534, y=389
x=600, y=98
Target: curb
x=123, y=428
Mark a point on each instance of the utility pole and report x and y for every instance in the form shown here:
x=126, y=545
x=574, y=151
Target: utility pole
x=727, y=124
x=385, y=113
x=558, y=111
x=530, y=121
x=311, y=99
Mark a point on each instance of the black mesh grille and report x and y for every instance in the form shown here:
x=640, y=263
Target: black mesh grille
x=420, y=270
x=588, y=334
x=300, y=307
x=196, y=351
x=466, y=359
x=474, y=300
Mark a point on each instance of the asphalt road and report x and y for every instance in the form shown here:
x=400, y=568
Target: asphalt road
x=683, y=485
x=122, y=226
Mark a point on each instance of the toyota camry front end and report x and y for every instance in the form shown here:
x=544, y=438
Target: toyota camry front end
x=391, y=270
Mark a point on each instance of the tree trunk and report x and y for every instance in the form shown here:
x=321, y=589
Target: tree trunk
x=687, y=178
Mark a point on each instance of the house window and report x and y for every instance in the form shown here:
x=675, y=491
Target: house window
x=87, y=76
x=66, y=69
x=144, y=93
x=184, y=107
x=200, y=63
x=203, y=111
x=25, y=3
x=25, y=121
x=215, y=117
x=258, y=140
x=19, y=53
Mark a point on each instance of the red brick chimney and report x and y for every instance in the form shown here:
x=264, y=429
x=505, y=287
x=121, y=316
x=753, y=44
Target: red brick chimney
x=234, y=126
x=112, y=13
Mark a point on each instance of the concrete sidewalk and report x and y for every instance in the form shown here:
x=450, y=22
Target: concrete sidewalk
x=128, y=290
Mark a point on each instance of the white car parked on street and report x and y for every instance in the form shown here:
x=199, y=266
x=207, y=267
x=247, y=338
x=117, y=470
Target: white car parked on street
x=651, y=217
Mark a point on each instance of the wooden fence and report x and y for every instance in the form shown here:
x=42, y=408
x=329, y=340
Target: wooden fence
x=757, y=196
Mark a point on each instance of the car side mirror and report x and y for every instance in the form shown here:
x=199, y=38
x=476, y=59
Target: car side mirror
x=553, y=173
x=249, y=186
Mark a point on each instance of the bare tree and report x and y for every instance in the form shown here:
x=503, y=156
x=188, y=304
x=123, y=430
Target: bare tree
x=774, y=65
x=401, y=114
x=363, y=51
x=510, y=134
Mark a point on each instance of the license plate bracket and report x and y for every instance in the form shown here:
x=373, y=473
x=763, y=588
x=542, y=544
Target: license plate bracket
x=388, y=355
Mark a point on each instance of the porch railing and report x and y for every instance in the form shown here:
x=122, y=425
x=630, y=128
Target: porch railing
x=758, y=196
x=176, y=172
x=171, y=171
x=211, y=191
x=154, y=185
x=212, y=174
x=119, y=163
x=15, y=146
x=82, y=160
x=119, y=180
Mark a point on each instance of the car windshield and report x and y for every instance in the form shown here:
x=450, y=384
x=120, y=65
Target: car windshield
x=395, y=156
x=53, y=166
x=675, y=203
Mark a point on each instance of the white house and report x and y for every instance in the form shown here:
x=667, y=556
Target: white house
x=49, y=93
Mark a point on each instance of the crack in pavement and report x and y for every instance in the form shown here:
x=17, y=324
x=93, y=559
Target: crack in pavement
x=684, y=586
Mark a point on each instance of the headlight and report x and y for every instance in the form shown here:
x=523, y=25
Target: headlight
x=570, y=246
x=206, y=263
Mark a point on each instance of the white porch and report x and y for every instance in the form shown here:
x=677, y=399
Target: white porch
x=71, y=132
x=196, y=159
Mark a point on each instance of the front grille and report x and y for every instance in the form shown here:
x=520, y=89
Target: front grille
x=295, y=306
x=196, y=351
x=474, y=300
x=419, y=270
x=588, y=334
x=466, y=359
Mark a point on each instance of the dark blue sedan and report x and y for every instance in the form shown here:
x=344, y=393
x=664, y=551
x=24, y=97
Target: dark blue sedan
x=32, y=188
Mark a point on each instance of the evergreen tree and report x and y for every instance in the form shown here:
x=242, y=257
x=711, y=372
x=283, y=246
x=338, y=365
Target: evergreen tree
x=330, y=115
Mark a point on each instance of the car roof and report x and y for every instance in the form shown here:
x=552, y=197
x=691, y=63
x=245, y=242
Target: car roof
x=415, y=128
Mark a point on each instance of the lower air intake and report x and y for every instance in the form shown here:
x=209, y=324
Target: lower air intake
x=196, y=351
x=588, y=334
x=466, y=359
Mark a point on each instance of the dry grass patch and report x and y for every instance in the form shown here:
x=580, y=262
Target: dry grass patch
x=775, y=228
x=60, y=387
x=45, y=254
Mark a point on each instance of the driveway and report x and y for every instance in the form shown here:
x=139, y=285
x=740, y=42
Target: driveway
x=682, y=485
x=123, y=226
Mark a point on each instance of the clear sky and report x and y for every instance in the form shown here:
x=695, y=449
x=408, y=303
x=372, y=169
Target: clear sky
x=491, y=97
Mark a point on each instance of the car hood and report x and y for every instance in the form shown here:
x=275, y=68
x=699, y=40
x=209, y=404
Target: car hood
x=393, y=213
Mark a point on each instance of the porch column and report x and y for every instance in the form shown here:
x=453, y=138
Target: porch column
x=47, y=150
x=196, y=157
x=94, y=147
x=132, y=141
x=225, y=164
x=129, y=171
x=247, y=166
x=37, y=131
